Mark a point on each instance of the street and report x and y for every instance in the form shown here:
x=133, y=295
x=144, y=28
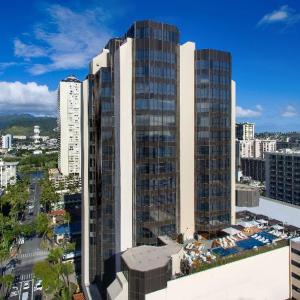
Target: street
x=29, y=253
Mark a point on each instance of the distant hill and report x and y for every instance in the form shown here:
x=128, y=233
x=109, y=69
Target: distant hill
x=23, y=124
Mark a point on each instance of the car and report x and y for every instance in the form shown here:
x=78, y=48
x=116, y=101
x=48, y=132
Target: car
x=14, y=291
x=26, y=285
x=38, y=285
x=25, y=296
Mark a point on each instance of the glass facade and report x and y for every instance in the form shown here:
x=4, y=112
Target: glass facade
x=102, y=213
x=212, y=140
x=156, y=169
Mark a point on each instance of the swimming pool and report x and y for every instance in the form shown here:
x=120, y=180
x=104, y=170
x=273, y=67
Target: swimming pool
x=249, y=243
x=267, y=235
x=225, y=252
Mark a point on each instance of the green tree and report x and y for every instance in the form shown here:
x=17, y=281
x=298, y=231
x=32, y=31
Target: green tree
x=48, y=195
x=44, y=271
x=6, y=281
x=55, y=274
x=42, y=224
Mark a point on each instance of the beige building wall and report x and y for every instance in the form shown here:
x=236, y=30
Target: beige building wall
x=261, y=277
x=233, y=150
x=123, y=147
x=187, y=139
x=85, y=209
x=295, y=269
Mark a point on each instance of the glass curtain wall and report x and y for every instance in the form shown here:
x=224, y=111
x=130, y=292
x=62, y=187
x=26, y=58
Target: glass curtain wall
x=213, y=140
x=155, y=130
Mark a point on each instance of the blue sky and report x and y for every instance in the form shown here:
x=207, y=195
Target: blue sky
x=43, y=42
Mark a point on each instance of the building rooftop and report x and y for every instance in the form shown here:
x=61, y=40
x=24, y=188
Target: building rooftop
x=296, y=240
x=287, y=151
x=283, y=212
x=145, y=258
x=246, y=187
x=71, y=78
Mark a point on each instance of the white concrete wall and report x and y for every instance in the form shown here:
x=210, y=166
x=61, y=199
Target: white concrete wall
x=233, y=149
x=187, y=138
x=123, y=144
x=261, y=277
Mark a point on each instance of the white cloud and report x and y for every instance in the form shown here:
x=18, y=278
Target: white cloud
x=284, y=14
x=290, y=111
x=248, y=113
x=28, y=51
x=27, y=98
x=69, y=39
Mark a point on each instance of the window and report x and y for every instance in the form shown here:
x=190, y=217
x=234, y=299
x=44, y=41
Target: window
x=295, y=251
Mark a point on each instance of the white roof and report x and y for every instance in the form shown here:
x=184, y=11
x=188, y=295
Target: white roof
x=278, y=227
x=262, y=221
x=284, y=212
x=246, y=224
x=231, y=230
x=253, y=223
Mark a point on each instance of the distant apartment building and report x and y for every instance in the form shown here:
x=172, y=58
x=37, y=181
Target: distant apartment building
x=283, y=175
x=295, y=269
x=245, y=131
x=8, y=173
x=255, y=148
x=7, y=141
x=254, y=168
x=20, y=137
x=288, y=145
x=158, y=146
x=69, y=126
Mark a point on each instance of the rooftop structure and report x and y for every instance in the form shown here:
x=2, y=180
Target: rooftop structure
x=283, y=212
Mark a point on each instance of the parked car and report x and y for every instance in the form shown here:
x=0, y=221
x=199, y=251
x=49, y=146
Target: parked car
x=26, y=285
x=14, y=291
x=38, y=285
x=25, y=296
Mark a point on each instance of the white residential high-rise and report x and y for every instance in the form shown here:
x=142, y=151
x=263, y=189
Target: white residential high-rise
x=8, y=173
x=245, y=131
x=6, y=141
x=69, y=115
x=36, y=133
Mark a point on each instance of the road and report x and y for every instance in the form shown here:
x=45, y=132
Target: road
x=29, y=253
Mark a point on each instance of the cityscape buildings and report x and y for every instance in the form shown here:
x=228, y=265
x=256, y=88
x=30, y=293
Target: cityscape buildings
x=158, y=146
x=69, y=126
x=283, y=175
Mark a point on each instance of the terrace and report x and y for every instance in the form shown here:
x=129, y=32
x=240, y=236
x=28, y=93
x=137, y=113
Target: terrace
x=253, y=234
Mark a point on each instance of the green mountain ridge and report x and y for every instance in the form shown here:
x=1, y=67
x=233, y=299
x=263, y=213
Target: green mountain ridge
x=23, y=124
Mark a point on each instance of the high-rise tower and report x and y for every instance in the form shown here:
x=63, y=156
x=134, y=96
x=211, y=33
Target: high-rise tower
x=157, y=132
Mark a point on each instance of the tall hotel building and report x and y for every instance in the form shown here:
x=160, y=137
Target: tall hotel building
x=158, y=145
x=69, y=126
